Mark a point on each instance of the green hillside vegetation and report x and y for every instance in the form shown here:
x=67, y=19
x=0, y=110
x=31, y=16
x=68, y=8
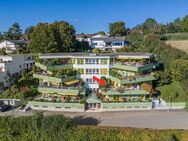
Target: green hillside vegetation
x=57, y=127
x=176, y=36
x=24, y=87
x=173, y=90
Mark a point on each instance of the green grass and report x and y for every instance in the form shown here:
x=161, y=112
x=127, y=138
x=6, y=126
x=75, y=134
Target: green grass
x=175, y=91
x=177, y=36
x=60, y=128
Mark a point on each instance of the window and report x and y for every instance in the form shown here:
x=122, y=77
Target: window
x=80, y=61
x=90, y=81
x=117, y=43
x=104, y=71
x=103, y=61
x=20, y=66
x=92, y=61
x=95, y=44
x=92, y=71
x=81, y=71
x=35, y=105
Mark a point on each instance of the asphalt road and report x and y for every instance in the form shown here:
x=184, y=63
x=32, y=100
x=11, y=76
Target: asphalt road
x=177, y=119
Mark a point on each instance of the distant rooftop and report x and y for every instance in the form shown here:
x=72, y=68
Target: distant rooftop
x=79, y=54
x=17, y=41
x=109, y=39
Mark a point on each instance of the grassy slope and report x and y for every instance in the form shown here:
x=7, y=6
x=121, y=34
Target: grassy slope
x=174, y=90
x=177, y=36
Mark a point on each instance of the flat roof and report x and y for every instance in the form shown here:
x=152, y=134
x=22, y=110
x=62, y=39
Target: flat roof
x=93, y=55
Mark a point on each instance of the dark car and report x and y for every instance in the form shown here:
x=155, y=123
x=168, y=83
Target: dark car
x=4, y=107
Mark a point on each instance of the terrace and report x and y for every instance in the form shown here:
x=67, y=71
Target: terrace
x=55, y=76
x=135, y=65
x=56, y=98
x=124, y=79
x=57, y=64
x=70, y=90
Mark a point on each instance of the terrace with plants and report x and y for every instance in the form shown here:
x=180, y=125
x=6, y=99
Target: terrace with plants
x=135, y=65
x=54, y=64
x=123, y=77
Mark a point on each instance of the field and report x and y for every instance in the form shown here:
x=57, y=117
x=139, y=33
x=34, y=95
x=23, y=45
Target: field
x=177, y=36
x=179, y=44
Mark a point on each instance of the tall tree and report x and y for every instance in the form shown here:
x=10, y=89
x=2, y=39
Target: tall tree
x=117, y=29
x=14, y=32
x=185, y=24
x=28, y=32
x=51, y=38
x=1, y=36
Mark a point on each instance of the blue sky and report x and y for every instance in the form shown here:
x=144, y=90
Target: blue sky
x=89, y=16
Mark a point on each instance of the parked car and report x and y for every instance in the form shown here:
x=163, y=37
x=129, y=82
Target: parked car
x=27, y=108
x=3, y=108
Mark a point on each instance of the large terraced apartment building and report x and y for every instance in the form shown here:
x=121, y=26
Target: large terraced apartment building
x=66, y=81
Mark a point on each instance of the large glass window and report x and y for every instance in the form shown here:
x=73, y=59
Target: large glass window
x=104, y=71
x=80, y=61
x=81, y=71
x=92, y=61
x=92, y=71
x=90, y=81
x=103, y=61
x=117, y=43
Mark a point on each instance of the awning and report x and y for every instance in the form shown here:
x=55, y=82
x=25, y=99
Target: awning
x=70, y=82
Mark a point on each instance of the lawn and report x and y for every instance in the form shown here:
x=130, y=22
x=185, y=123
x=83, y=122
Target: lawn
x=175, y=91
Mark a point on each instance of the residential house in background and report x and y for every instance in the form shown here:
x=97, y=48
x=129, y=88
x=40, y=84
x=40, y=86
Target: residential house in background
x=12, y=46
x=108, y=43
x=11, y=66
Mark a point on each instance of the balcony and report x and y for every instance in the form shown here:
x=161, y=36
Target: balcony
x=53, y=67
x=134, y=67
x=126, y=92
x=53, y=79
x=69, y=91
x=136, y=79
x=52, y=106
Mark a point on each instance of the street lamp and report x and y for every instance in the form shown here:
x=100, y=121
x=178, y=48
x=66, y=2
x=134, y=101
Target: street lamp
x=170, y=102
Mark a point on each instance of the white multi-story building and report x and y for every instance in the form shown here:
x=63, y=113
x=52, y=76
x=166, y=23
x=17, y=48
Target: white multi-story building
x=11, y=46
x=13, y=65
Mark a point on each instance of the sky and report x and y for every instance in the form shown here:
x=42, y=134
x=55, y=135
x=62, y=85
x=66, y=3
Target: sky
x=89, y=16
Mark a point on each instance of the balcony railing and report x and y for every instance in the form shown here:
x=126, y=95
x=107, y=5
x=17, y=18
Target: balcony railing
x=59, y=90
x=53, y=79
x=55, y=105
x=136, y=67
x=125, y=92
x=137, y=79
x=53, y=67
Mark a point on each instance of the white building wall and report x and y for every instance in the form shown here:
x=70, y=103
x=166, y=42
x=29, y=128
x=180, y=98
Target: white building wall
x=92, y=66
x=14, y=64
x=6, y=44
x=100, y=44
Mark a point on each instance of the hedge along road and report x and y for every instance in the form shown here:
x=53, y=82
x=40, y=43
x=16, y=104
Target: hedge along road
x=160, y=119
